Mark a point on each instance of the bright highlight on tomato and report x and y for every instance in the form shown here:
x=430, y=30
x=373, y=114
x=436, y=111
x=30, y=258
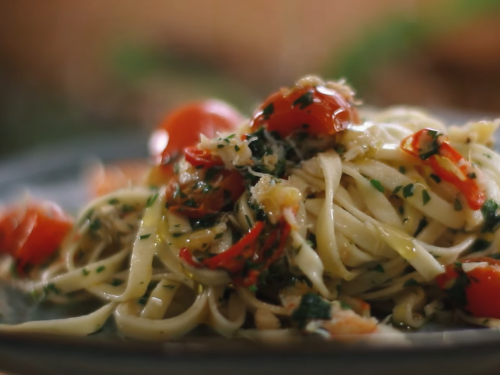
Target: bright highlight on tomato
x=31, y=234
x=477, y=290
x=316, y=110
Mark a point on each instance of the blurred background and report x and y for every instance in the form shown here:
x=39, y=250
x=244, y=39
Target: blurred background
x=70, y=68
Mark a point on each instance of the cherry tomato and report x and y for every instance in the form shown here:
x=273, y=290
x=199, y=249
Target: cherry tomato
x=196, y=199
x=33, y=233
x=475, y=291
x=201, y=158
x=182, y=127
x=315, y=110
x=432, y=148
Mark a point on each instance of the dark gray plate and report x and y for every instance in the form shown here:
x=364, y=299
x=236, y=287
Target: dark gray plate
x=55, y=173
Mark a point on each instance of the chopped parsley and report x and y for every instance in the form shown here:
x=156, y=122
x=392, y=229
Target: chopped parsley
x=377, y=185
x=237, y=148
x=479, y=244
x=211, y=173
x=249, y=222
x=177, y=234
x=345, y=306
x=491, y=218
x=457, y=206
x=397, y=189
x=220, y=146
x=268, y=111
x=95, y=225
x=169, y=286
x=51, y=288
x=379, y=268
x=435, y=177
x=472, y=175
x=113, y=201
x=402, y=169
x=304, y=100
x=145, y=236
x=191, y=203
x=85, y=272
x=425, y=197
x=116, y=282
x=100, y=269
x=408, y=190
x=151, y=200
x=218, y=235
x=311, y=306
x=433, y=147
x=411, y=282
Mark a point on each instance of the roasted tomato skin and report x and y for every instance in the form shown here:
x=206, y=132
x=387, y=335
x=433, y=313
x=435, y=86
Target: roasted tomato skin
x=480, y=286
x=432, y=148
x=198, y=198
x=316, y=110
x=182, y=127
x=32, y=233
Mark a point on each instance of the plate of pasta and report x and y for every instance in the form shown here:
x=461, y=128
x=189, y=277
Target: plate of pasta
x=315, y=226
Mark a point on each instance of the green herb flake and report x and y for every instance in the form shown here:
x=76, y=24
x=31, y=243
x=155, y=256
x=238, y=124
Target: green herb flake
x=397, y=189
x=402, y=169
x=249, y=222
x=435, y=177
x=457, y=206
x=479, y=245
x=472, y=175
x=268, y=110
x=145, y=236
x=218, y=235
x=377, y=185
x=100, y=269
x=379, y=268
x=177, y=234
x=191, y=203
x=487, y=155
x=117, y=282
x=425, y=197
x=304, y=100
x=169, y=286
x=151, y=200
x=85, y=272
x=220, y=146
x=408, y=190
x=491, y=218
x=311, y=307
x=95, y=225
x=345, y=306
x=237, y=148
x=114, y=201
x=411, y=282
x=126, y=208
x=252, y=288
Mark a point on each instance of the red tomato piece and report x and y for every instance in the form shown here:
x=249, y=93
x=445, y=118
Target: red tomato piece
x=432, y=148
x=316, y=110
x=183, y=126
x=196, y=199
x=480, y=287
x=201, y=158
x=33, y=233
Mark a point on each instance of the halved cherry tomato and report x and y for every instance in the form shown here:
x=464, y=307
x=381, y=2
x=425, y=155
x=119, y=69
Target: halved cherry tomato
x=315, y=110
x=201, y=158
x=432, y=148
x=33, y=233
x=475, y=291
x=198, y=198
x=182, y=127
